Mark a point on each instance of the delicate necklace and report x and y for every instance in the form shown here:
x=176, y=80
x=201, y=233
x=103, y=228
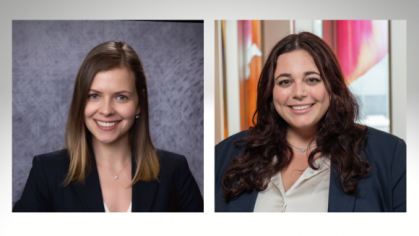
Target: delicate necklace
x=116, y=176
x=302, y=149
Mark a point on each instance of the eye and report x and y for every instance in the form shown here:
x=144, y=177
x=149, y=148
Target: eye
x=93, y=96
x=313, y=80
x=122, y=97
x=284, y=83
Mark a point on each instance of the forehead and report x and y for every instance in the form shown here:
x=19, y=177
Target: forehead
x=114, y=79
x=295, y=62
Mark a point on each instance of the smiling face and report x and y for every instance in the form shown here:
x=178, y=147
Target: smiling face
x=299, y=95
x=111, y=106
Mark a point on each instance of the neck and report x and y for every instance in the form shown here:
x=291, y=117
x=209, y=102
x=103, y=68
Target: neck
x=116, y=153
x=301, y=137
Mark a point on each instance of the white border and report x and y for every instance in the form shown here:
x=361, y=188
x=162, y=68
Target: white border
x=208, y=222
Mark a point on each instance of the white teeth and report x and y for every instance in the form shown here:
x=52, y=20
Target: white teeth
x=300, y=107
x=105, y=124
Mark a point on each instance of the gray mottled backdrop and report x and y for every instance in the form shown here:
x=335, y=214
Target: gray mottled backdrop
x=46, y=59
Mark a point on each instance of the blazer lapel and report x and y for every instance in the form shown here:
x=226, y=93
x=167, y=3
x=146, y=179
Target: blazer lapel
x=339, y=201
x=244, y=203
x=143, y=193
x=89, y=192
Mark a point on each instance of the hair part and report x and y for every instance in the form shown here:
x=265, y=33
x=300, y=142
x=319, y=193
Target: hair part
x=104, y=57
x=338, y=137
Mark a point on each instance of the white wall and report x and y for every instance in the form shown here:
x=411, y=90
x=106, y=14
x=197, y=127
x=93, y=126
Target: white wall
x=398, y=87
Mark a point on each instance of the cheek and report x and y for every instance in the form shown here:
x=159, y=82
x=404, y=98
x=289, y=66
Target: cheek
x=89, y=110
x=128, y=112
x=320, y=94
x=280, y=96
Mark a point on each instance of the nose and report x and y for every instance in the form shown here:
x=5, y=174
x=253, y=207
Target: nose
x=299, y=91
x=106, y=108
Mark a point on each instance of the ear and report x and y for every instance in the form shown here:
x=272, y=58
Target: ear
x=138, y=111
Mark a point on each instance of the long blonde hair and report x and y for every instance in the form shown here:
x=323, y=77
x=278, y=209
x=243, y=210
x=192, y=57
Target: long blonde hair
x=104, y=57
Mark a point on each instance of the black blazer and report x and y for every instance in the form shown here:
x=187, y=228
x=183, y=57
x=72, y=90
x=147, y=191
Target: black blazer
x=383, y=190
x=174, y=191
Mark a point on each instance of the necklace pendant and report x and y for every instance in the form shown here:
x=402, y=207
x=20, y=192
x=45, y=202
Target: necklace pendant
x=116, y=177
x=303, y=150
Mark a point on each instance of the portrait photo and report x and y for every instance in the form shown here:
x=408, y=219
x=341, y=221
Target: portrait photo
x=56, y=62
x=310, y=116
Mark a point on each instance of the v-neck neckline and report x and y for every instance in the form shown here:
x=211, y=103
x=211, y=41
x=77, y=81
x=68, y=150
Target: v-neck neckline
x=90, y=192
x=308, y=173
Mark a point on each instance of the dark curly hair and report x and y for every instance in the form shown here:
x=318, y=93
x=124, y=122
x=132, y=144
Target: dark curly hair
x=338, y=136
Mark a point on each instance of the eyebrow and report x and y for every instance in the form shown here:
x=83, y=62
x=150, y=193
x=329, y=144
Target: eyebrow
x=123, y=91
x=289, y=75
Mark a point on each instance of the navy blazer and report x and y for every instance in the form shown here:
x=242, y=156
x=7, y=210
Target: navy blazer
x=174, y=191
x=384, y=189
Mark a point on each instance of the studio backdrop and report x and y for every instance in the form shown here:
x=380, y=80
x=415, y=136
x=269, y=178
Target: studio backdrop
x=46, y=59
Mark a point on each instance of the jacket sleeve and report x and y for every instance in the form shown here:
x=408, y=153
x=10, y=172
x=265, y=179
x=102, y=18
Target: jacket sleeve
x=36, y=196
x=398, y=177
x=189, y=196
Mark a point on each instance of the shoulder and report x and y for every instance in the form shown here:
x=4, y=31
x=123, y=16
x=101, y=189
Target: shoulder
x=174, y=168
x=384, y=143
x=385, y=186
x=385, y=150
x=377, y=136
x=50, y=156
x=226, y=150
x=47, y=170
x=228, y=143
x=167, y=157
x=53, y=161
x=177, y=183
x=171, y=162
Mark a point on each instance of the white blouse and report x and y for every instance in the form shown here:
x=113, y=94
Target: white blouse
x=310, y=193
x=107, y=209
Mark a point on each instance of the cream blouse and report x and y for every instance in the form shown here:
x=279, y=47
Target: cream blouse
x=310, y=193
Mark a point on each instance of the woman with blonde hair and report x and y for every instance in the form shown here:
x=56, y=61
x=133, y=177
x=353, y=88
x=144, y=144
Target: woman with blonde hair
x=110, y=163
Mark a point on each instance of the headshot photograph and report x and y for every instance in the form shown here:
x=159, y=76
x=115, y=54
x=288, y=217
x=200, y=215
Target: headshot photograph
x=310, y=116
x=107, y=116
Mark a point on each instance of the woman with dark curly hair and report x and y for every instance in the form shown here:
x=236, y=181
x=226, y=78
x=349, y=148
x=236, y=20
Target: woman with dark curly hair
x=305, y=152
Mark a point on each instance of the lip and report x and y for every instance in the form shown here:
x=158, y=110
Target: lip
x=107, y=128
x=302, y=111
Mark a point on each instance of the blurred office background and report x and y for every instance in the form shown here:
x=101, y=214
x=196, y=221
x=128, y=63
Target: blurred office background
x=372, y=54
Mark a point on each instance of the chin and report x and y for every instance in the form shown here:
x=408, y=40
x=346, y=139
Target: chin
x=105, y=140
x=303, y=125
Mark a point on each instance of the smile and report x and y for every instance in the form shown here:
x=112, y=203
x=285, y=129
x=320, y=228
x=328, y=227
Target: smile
x=301, y=107
x=106, y=124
